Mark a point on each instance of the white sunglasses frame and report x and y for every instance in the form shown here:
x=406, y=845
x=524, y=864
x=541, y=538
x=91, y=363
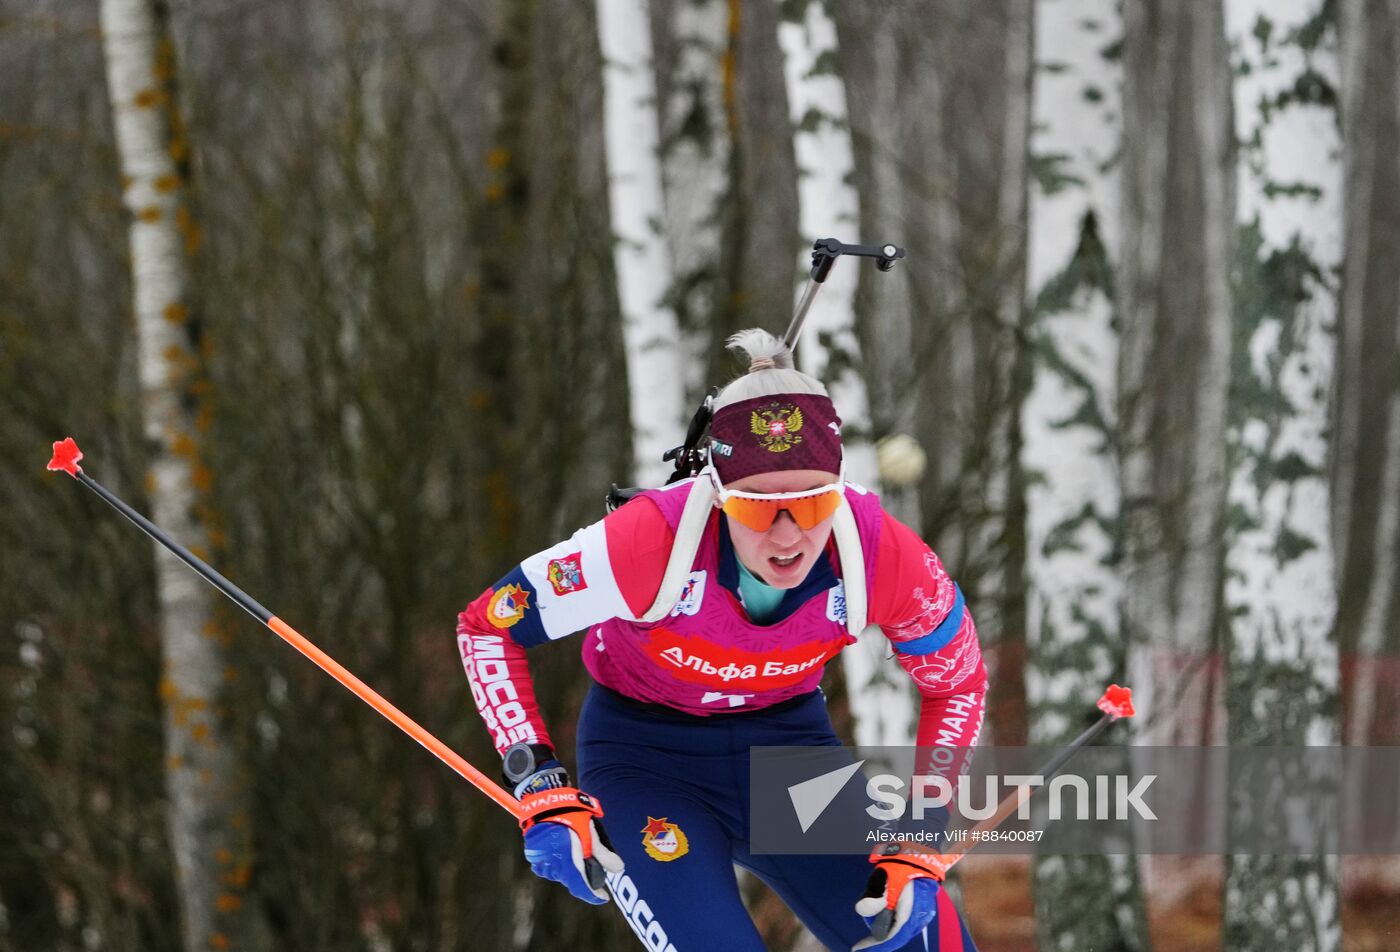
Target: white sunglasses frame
x=722, y=494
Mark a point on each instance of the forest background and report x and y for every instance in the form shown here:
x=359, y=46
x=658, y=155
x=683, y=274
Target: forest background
x=367, y=300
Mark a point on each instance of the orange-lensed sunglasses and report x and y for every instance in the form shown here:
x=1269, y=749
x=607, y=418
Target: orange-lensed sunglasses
x=758, y=511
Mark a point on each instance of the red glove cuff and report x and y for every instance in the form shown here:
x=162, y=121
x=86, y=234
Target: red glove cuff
x=905, y=861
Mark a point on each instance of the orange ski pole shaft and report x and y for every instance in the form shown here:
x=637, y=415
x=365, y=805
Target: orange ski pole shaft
x=66, y=456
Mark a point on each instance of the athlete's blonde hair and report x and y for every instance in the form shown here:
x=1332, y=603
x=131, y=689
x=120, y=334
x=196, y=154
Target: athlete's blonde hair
x=770, y=370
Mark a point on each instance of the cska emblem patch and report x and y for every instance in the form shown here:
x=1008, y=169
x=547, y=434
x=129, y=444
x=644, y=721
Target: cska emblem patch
x=566, y=574
x=507, y=606
x=777, y=427
x=664, y=841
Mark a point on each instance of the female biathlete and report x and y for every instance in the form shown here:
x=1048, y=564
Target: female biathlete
x=710, y=609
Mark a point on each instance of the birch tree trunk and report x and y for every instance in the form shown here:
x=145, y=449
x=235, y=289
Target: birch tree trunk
x=1280, y=589
x=655, y=362
x=1073, y=532
x=208, y=813
x=1174, y=296
x=881, y=695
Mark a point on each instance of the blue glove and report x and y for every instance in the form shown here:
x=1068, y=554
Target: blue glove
x=564, y=841
x=901, y=897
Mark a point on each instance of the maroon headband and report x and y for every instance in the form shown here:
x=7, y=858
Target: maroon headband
x=775, y=432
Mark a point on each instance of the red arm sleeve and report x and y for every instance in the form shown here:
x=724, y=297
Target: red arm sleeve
x=615, y=567
x=639, y=545
x=500, y=679
x=922, y=613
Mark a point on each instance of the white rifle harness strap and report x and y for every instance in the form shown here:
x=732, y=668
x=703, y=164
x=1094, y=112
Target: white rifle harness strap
x=696, y=515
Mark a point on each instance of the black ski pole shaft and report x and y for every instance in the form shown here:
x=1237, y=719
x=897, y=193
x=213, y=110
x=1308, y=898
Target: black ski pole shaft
x=210, y=574
x=1116, y=703
x=65, y=458
x=1052, y=766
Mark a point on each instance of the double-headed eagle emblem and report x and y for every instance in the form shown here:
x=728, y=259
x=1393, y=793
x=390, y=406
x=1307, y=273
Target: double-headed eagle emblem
x=777, y=427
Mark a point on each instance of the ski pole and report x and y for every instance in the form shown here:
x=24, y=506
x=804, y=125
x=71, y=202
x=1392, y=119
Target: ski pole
x=1116, y=703
x=66, y=456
